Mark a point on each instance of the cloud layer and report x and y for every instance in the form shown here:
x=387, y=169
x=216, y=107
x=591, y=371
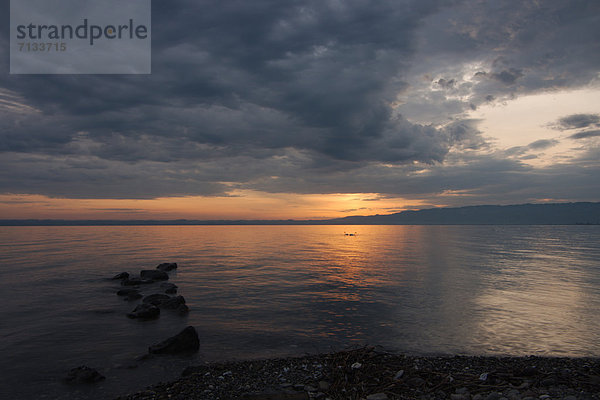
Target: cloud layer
x=310, y=97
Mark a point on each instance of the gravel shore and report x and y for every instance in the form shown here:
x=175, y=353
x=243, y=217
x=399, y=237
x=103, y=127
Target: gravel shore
x=371, y=374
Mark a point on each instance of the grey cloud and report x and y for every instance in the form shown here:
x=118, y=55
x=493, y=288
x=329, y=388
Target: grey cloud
x=465, y=134
x=585, y=134
x=92, y=178
x=302, y=90
x=542, y=144
x=529, y=157
x=504, y=50
x=508, y=77
x=578, y=121
x=446, y=84
x=310, y=75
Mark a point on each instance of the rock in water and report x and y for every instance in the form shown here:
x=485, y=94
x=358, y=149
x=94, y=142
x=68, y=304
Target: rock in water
x=156, y=299
x=122, y=275
x=130, y=294
x=84, y=374
x=169, y=288
x=184, y=341
x=136, y=282
x=133, y=296
x=173, y=303
x=154, y=274
x=167, y=266
x=145, y=311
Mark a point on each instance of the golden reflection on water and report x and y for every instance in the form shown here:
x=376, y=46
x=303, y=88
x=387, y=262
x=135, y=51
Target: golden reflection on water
x=534, y=301
x=461, y=289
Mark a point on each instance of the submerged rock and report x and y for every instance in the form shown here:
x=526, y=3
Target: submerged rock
x=84, y=374
x=154, y=274
x=136, y=282
x=145, y=311
x=156, y=299
x=185, y=341
x=173, y=303
x=133, y=296
x=167, y=266
x=169, y=288
x=122, y=275
x=130, y=294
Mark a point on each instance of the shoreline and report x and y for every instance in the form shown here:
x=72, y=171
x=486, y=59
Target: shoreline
x=371, y=374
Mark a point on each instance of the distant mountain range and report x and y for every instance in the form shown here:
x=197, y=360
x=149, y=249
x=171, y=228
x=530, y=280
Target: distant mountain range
x=522, y=214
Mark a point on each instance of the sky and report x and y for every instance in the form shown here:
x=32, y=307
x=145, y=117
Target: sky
x=315, y=109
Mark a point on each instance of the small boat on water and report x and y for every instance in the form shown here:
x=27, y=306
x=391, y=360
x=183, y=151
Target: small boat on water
x=349, y=234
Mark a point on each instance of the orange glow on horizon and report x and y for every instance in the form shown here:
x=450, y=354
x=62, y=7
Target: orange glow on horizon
x=239, y=204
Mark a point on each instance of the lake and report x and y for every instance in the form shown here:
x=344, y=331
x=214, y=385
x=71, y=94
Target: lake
x=271, y=291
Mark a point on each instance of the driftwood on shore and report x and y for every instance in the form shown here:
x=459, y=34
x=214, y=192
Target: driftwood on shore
x=371, y=374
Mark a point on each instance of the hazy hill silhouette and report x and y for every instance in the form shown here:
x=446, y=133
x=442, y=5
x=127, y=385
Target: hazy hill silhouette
x=522, y=214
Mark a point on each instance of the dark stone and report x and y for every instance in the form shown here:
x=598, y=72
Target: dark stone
x=173, y=302
x=122, y=275
x=528, y=371
x=493, y=396
x=84, y=374
x=127, y=292
x=133, y=296
x=155, y=299
x=415, y=382
x=169, y=288
x=548, y=382
x=136, y=282
x=154, y=274
x=145, y=311
x=184, y=341
x=167, y=266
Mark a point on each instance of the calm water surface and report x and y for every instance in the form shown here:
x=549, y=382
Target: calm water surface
x=266, y=291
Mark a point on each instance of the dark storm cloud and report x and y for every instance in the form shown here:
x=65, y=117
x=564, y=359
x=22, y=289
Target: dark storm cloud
x=296, y=96
x=464, y=134
x=499, y=50
x=312, y=75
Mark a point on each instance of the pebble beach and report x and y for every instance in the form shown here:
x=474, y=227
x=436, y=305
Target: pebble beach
x=373, y=374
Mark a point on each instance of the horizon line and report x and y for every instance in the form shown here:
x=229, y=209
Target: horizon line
x=289, y=221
